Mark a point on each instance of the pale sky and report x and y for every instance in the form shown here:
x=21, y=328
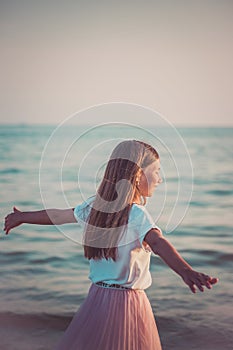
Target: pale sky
x=174, y=56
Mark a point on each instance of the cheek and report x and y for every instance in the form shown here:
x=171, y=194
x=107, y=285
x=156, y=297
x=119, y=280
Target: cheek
x=152, y=178
x=147, y=181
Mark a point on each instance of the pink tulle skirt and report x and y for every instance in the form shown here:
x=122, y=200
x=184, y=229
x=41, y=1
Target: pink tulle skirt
x=112, y=319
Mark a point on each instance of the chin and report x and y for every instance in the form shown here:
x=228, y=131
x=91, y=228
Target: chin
x=149, y=194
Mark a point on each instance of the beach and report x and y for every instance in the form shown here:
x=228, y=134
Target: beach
x=44, y=276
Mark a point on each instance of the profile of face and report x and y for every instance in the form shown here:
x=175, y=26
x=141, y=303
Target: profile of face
x=149, y=179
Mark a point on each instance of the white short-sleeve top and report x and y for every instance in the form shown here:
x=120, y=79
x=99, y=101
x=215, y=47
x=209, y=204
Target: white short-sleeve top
x=131, y=269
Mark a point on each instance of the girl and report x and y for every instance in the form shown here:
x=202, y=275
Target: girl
x=119, y=236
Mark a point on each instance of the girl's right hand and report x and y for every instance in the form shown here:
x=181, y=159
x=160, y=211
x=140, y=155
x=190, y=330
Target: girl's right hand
x=12, y=220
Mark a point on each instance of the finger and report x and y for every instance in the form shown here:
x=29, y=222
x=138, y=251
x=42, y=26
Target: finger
x=205, y=281
x=192, y=288
x=211, y=279
x=214, y=280
x=199, y=286
x=208, y=285
x=6, y=229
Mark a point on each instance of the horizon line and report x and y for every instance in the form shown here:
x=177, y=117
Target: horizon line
x=90, y=124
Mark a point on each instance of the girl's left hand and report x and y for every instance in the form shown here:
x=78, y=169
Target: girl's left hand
x=193, y=278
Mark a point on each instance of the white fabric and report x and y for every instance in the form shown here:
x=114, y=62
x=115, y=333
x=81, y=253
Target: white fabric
x=131, y=269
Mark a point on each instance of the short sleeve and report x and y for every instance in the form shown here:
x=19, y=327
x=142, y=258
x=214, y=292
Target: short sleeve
x=82, y=211
x=143, y=222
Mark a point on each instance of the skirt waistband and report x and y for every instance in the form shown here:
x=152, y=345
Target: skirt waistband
x=117, y=286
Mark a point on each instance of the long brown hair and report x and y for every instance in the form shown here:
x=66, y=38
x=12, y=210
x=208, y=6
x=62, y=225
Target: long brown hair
x=109, y=212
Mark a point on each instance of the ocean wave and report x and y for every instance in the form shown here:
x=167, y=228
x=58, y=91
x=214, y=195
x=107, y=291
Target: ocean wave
x=226, y=257
x=15, y=256
x=52, y=259
x=199, y=204
x=220, y=192
x=11, y=171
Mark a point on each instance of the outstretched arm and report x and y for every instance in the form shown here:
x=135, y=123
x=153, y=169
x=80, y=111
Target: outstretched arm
x=41, y=217
x=160, y=246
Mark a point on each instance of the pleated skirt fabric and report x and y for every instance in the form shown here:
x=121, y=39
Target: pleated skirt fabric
x=112, y=319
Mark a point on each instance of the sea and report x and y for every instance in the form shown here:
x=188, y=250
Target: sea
x=44, y=276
